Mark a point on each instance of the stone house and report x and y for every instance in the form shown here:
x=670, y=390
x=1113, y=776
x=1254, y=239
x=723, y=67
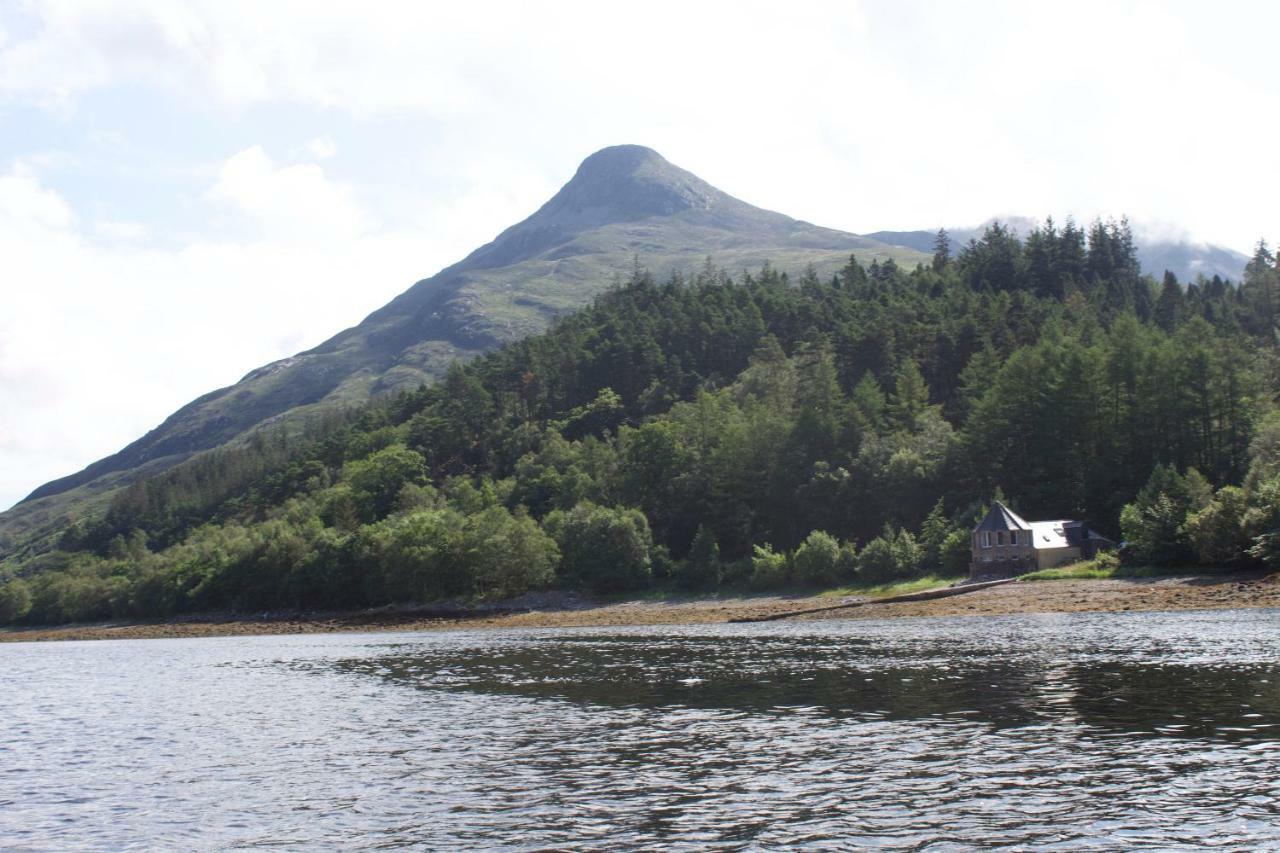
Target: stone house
x=1004, y=544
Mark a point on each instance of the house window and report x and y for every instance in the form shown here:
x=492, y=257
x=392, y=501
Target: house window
x=1013, y=538
x=1000, y=538
x=986, y=539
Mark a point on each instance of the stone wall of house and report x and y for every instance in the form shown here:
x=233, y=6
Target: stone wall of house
x=1002, y=560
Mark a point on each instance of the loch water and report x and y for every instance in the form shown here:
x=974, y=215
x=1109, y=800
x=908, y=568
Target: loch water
x=1095, y=731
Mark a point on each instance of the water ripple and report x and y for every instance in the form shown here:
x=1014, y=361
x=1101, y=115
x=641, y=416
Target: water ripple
x=1045, y=732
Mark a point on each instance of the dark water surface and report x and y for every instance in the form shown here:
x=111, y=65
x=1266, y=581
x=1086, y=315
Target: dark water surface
x=1108, y=731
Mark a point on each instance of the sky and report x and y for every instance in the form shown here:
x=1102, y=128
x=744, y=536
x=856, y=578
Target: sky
x=189, y=190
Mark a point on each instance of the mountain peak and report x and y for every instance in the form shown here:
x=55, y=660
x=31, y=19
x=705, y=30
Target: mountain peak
x=627, y=182
x=624, y=201
x=621, y=183
x=627, y=157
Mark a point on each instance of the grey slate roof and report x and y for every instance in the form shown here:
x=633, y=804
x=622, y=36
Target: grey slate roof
x=1045, y=534
x=1001, y=518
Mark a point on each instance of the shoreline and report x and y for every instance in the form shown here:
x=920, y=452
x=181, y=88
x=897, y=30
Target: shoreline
x=558, y=610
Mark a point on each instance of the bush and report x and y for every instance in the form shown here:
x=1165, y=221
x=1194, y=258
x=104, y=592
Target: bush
x=1107, y=561
x=702, y=569
x=946, y=547
x=955, y=553
x=876, y=560
x=15, y=601
x=413, y=557
x=907, y=555
x=376, y=482
x=79, y=597
x=1263, y=522
x=1217, y=532
x=604, y=549
x=664, y=567
x=769, y=569
x=434, y=554
x=817, y=561
x=848, y=561
x=892, y=554
x=506, y=554
x=1153, y=525
x=1153, y=532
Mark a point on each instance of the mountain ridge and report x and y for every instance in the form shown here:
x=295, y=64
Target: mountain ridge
x=623, y=202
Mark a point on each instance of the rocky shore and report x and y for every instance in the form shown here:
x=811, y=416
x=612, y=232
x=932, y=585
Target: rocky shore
x=559, y=610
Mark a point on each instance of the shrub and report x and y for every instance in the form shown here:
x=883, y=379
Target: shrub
x=413, y=557
x=1263, y=522
x=1153, y=525
x=1153, y=532
x=769, y=569
x=876, y=560
x=664, y=567
x=604, y=549
x=817, y=560
x=1217, y=532
x=15, y=601
x=80, y=597
x=954, y=553
x=892, y=554
x=507, y=554
x=907, y=554
x=376, y=481
x=1107, y=561
x=848, y=560
x=701, y=569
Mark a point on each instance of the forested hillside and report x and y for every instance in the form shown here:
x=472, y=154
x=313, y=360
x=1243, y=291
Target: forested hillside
x=748, y=429
x=624, y=201
x=1188, y=259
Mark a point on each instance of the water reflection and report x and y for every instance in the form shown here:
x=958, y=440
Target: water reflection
x=755, y=675
x=1225, y=700
x=855, y=677
x=1104, y=732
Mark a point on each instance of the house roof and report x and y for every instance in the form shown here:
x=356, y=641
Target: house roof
x=1000, y=517
x=1064, y=533
x=1050, y=534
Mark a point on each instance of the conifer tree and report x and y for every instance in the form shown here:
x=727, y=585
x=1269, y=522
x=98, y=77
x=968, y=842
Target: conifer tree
x=1169, y=306
x=702, y=568
x=941, y=250
x=910, y=396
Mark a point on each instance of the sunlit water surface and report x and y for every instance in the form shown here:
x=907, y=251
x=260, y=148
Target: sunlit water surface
x=1104, y=731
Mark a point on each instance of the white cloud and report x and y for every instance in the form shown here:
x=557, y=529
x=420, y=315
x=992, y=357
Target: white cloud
x=246, y=52
x=101, y=339
x=297, y=201
x=860, y=116
x=857, y=115
x=26, y=207
x=110, y=229
x=322, y=148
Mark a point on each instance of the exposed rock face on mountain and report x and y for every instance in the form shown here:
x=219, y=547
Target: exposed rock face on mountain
x=1183, y=258
x=625, y=203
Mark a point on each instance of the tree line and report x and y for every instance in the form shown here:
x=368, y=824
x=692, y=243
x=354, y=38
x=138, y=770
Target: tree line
x=749, y=430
